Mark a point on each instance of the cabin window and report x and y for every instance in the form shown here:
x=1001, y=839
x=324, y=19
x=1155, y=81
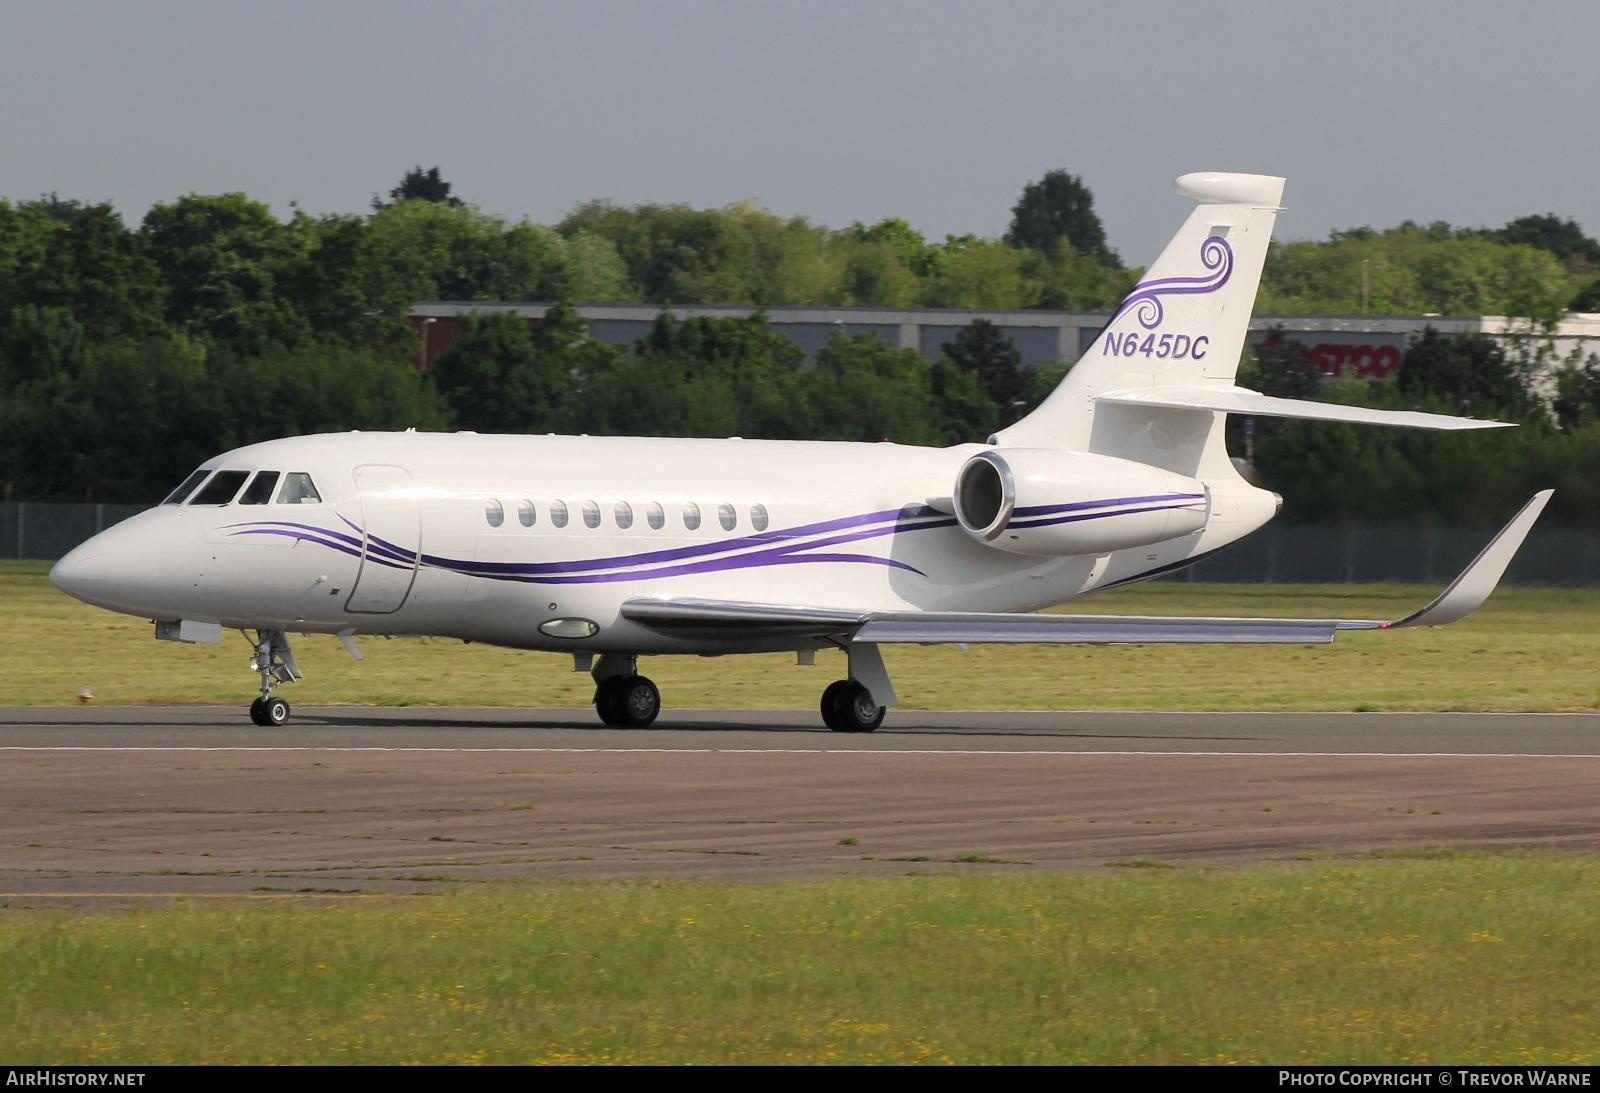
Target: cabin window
x=298, y=489
x=494, y=512
x=727, y=516
x=259, y=491
x=179, y=495
x=525, y=515
x=591, y=514
x=221, y=488
x=758, y=517
x=624, y=513
x=558, y=513
x=655, y=516
x=691, y=515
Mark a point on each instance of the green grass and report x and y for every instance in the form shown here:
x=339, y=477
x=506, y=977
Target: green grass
x=1527, y=649
x=1463, y=958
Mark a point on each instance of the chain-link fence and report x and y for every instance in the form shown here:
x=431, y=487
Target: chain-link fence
x=1278, y=553
x=45, y=530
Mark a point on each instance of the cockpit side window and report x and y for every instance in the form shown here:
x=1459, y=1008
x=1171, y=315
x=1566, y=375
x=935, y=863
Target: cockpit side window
x=259, y=491
x=181, y=494
x=221, y=488
x=298, y=489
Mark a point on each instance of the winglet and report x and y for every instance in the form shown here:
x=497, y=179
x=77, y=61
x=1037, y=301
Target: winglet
x=1468, y=591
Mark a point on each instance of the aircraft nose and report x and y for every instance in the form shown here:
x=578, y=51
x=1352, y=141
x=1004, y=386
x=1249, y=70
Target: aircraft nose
x=142, y=566
x=82, y=570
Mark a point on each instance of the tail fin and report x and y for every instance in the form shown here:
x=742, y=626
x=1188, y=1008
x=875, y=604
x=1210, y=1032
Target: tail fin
x=1184, y=324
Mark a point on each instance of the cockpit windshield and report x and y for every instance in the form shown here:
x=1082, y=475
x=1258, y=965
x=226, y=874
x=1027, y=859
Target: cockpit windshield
x=298, y=489
x=259, y=492
x=181, y=494
x=221, y=488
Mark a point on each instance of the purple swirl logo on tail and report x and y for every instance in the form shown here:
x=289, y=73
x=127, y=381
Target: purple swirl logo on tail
x=1145, y=299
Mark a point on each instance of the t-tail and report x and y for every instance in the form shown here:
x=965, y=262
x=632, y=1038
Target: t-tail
x=1158, y=382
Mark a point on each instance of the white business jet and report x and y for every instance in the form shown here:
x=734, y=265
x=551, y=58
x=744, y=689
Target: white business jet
x=610, y=548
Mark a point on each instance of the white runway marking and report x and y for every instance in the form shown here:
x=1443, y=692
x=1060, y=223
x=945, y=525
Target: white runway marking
x=851, y=751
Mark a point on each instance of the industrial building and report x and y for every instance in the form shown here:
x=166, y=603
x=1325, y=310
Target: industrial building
x=1365, y=346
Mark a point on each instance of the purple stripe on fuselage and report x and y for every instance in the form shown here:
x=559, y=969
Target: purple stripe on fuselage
x=330, y=543
x=1079, y=506
x=757, y=550
x=699, y=550
x=1046, y=522
x=758, y=560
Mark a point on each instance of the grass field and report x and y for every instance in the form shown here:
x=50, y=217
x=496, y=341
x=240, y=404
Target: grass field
x=1528, y=649
x=1449, y=958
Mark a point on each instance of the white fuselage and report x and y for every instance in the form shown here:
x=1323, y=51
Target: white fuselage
x=456, y=535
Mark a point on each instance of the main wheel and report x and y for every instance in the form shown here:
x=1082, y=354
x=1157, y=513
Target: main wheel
x=853, y=708
x=639, y=701
x=830, y=702
x=274, y=712
x=608, y=701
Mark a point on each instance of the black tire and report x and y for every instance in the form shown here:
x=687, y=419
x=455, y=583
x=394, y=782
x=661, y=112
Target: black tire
x=607, y=701
x=830, y=703
x=255, y=713
x=638, y=701
x=274, y=712
x=855, y=710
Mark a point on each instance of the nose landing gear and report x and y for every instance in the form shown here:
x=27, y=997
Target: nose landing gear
x=276, y=664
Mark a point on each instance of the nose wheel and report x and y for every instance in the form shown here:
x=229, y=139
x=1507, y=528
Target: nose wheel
x=275, y=663
x=269, y=712
x=847, y=706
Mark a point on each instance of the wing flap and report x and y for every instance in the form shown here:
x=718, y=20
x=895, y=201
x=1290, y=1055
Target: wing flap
x=976, y=629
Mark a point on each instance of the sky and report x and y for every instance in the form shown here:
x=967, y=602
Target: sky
x=1474, y=112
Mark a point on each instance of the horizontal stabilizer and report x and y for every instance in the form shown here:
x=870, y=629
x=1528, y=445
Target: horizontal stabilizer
x=1239, y=400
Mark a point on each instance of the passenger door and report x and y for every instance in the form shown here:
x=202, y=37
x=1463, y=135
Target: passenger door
x=391, y=539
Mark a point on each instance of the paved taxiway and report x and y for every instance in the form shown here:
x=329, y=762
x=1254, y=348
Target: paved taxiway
x=128, y=802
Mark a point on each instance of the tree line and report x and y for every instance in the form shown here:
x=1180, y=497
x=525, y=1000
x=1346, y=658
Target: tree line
x=129, y=355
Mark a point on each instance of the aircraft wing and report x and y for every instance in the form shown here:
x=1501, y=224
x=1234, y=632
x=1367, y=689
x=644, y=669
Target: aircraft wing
x=704, y=617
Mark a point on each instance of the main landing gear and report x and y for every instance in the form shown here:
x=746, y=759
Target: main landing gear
x=847, y=706
x=623, y=698
x=276, y=664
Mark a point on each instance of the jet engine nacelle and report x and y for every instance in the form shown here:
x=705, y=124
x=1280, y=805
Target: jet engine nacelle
x=1051, y=502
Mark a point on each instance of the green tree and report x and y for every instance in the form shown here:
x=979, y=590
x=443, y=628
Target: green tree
x=326, y=387
x=1469, y=373
x=982, y=351
x=96, y=269
x=704, y=376
x=979, y=273
x=1587, y=298
x=1059, y=208
x=875, y=274
x=343, y=286
x=1562, y=238
x=1278, y=365
x=863, y=388
x=966, y=414
x=1577, y=401
x=506, y=375
x=595, y=272
x=224, y=259
x=420, y=185
x=444, y=252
